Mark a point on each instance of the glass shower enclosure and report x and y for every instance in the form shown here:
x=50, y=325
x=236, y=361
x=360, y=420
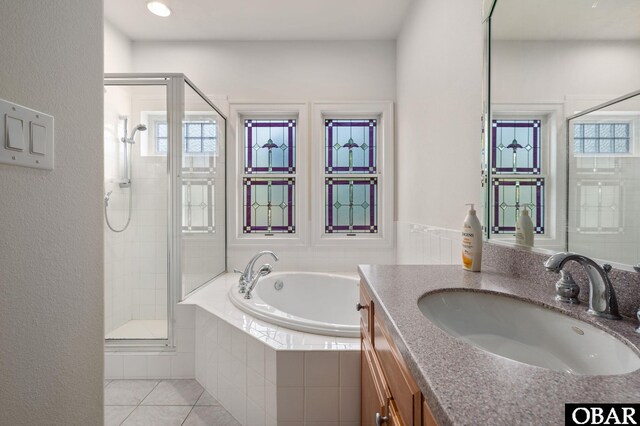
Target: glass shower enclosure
x=164, y=202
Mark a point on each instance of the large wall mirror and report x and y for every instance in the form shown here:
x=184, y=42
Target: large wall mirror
x=578, y=180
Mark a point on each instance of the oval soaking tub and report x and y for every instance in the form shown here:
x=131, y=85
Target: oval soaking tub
x=317, y=303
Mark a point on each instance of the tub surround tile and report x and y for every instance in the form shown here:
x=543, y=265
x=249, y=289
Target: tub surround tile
x=446, y=369
x=290, y=404
x=322, y=404
x=270, y=364
x=349, y=404
x=128, y=392
x=290, y=369
x=256, y=355
x=322, y=369
x=255, y=415
x=349, y=369
x=260, y=372
x=255, y=387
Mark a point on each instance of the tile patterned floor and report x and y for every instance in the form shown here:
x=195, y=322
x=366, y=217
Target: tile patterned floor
x=162, y=403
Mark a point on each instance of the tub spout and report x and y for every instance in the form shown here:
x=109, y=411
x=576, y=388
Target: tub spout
x=262, y=272
x=248, y=274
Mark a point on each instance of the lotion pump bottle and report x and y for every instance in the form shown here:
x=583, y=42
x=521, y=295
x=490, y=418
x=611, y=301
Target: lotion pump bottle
x=471, y=241
x=524, y=229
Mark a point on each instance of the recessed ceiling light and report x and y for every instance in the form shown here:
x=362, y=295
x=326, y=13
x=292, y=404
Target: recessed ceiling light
x=158, y=8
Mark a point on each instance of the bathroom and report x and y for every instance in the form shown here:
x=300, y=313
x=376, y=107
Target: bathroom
x=119, y=303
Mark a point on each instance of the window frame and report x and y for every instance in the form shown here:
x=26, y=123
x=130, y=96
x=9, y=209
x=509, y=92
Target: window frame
x=384, y=113
x=239, y=112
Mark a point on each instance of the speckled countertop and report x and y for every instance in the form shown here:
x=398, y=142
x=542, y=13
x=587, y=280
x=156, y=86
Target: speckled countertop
x=464, y=385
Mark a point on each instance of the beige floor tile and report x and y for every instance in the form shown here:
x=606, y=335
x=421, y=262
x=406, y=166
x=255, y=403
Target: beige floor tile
x=174, y=392
x=210, y=415
x=127, y=392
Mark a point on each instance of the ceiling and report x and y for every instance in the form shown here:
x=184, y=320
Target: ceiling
x=260, y=19
x=566, y=20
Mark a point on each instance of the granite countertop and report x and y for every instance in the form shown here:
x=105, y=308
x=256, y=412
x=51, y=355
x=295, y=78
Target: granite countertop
x=465, y=385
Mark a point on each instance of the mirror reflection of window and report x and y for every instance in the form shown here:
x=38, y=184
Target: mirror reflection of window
x=516, y=166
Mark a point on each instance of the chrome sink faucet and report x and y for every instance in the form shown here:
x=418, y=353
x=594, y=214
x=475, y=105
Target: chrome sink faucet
x=602, y=297
x=247, y=276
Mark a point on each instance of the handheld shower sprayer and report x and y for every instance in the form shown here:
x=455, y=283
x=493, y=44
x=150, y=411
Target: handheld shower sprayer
x=126, y=182
x=139, y=127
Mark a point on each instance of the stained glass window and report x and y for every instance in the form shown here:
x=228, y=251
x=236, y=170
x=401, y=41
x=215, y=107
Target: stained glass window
x=601, y=138
x=351, y=205
x=515, y=146
x=197, y=137
x=510, y=196
x=197, y=205
x=350, y=146
x=269, y=205
x=270, y=146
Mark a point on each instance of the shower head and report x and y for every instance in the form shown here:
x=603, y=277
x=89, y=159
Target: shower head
x=139, y=127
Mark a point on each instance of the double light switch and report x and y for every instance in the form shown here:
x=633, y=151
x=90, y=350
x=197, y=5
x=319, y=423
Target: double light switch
x=27, y=136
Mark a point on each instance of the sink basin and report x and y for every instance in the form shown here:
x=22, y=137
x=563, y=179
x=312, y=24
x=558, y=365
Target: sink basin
x=527, y=333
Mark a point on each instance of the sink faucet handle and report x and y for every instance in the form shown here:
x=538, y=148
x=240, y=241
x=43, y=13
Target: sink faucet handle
x=235, y=271
x=566, y=288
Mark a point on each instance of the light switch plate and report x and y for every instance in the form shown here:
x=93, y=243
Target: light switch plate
x=33, y=146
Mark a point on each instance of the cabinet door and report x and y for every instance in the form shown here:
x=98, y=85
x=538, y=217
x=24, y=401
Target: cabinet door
x=373, y=393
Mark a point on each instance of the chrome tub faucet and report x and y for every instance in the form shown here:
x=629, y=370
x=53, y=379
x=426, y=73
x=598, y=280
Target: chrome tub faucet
x=602, y=297
x=262, y=272
x=247, y=276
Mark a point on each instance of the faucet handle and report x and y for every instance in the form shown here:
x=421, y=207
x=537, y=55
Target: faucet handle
x=607, y=268
x=567, y=290
x=235, y=271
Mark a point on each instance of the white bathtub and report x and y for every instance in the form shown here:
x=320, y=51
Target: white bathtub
x=311, y=302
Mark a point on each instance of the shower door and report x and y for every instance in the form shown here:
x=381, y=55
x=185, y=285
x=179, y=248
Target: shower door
x=137, y=200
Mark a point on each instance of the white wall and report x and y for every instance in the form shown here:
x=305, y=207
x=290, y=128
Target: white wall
x=549, y=71
x=117, y=50
x=439, y=87
x=277, y=70
x=284, y=71
x=51, y=308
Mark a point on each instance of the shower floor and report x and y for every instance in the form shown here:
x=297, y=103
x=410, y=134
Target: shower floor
x=140, y=329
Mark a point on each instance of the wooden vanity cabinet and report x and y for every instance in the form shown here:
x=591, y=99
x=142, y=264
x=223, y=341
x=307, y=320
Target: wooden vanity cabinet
x=389, y=394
